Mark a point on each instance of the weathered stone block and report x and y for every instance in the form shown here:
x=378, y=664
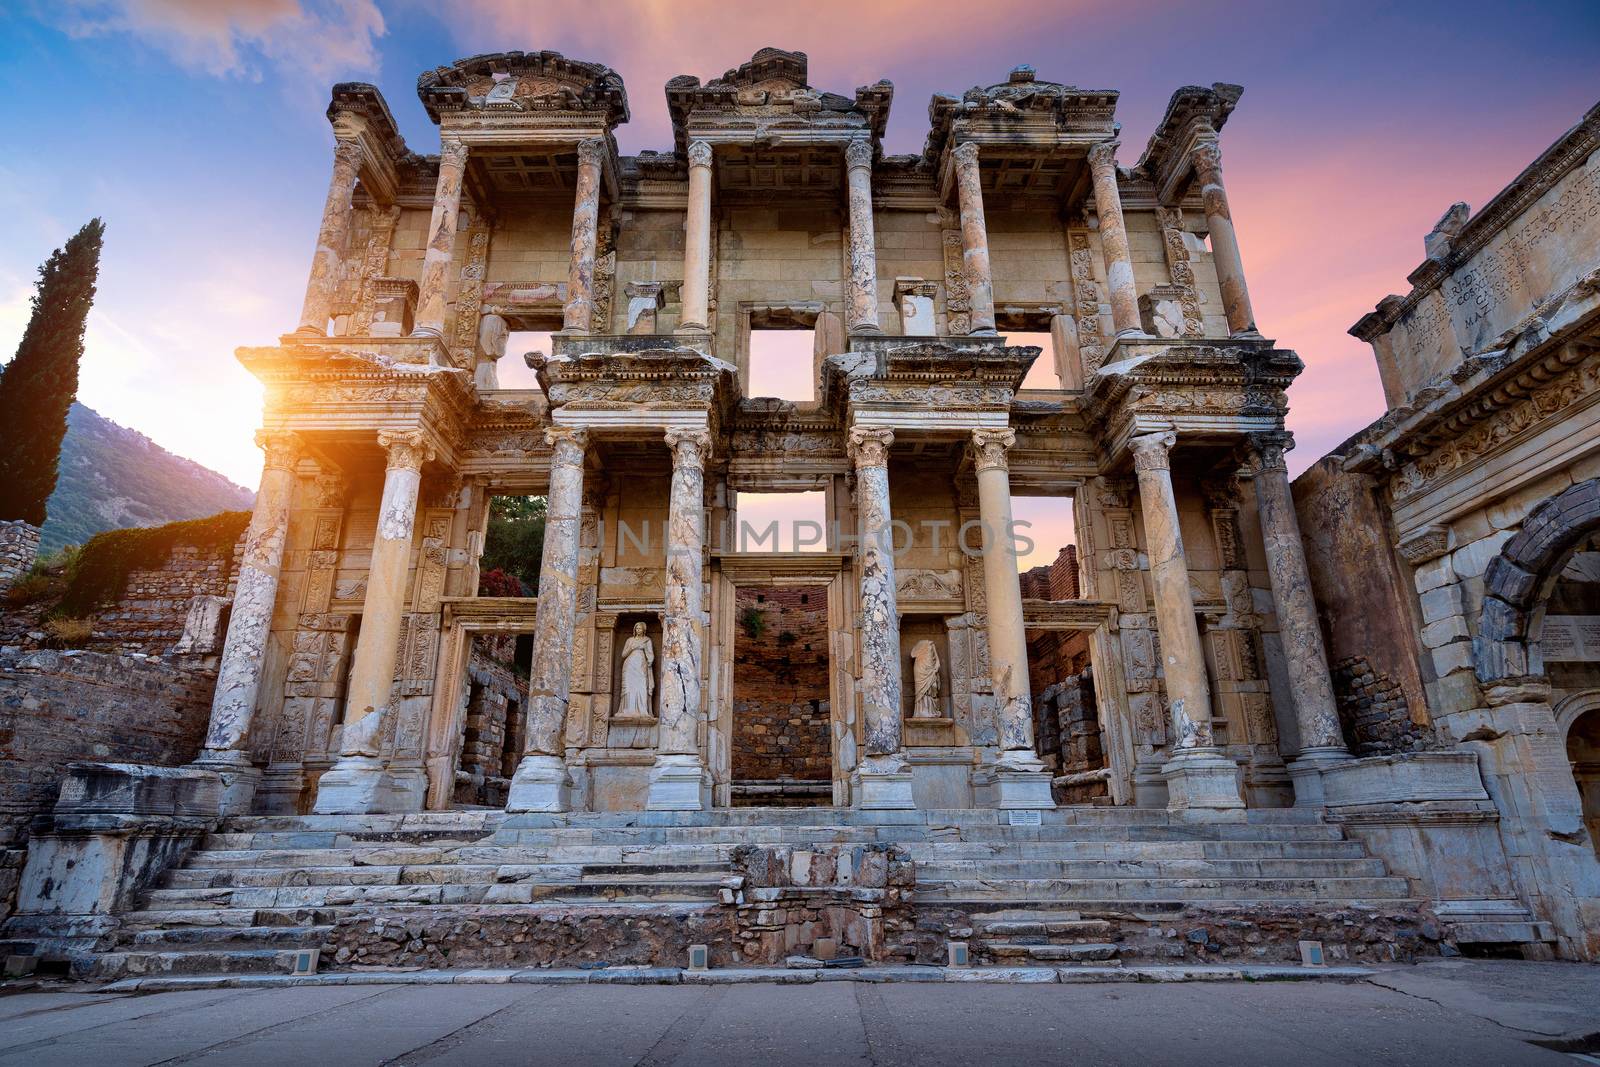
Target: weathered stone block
x=1441, y=603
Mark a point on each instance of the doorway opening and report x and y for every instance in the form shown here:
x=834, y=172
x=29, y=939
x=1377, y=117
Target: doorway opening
x=494, y=719
x=782, y=742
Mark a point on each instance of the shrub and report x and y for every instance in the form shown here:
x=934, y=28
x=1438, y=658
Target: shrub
x=68, y=633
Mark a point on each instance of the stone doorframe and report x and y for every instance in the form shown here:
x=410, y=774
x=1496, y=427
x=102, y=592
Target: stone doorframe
x=1099, y=620
x=828, y=571
x=1519, y=580
x=1573, y=707
x=463, y=618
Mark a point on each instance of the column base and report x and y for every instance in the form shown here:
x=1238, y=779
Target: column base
x=408, y=788
x=356, y=785
x=239, y=777
x=678, y=782
x=1305, y=770
x=1021, y=781
x=541, y=783
x=1202, y=780
x=883, y=784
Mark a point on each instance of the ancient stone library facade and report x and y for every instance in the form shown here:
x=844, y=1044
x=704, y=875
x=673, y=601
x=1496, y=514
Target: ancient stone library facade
x=1159, y=724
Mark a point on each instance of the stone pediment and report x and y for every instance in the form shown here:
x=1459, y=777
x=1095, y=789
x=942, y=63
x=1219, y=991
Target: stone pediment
x=516, y=82
x=975, y=374
x=1194, y=114
x=1022, y=104
x=628, y=373
x=770, y=93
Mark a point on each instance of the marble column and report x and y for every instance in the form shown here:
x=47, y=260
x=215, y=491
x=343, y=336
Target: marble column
x=359, y=781
x=578, y=314
x=882, y=778
x=1207, y=160
x=541, y=781
x=1197, y=775
x=233, y=704
x=1114, y=239
x=678, y=781
x=1022, y=778
x=1310, y=684
x=441, y=240
x=861, y=306
x=697, y=243
x=333, y=237
x=974, y=238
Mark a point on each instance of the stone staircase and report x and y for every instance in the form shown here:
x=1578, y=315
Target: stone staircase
x=1086, y=885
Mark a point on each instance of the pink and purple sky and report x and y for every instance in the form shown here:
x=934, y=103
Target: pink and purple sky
x=195, y=128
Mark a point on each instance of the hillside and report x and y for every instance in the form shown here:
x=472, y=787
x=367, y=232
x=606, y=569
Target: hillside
x=112, y=477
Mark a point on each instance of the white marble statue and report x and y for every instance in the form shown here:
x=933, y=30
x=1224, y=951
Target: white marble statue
x=925, y=702
x=638, y=676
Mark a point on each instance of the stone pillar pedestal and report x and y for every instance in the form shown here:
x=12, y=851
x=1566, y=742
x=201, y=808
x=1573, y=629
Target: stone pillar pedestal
x=696, y=317
x=541, y=782
x=332, y=236
x=1207, y=162
x=861, y=305
x=1198, y=775
x=359, y=782
x=233, y=703
x=1020, y=775
x=679, y=781
x=441, y=240
x=974, y=238
x=1310, y=684
x=881, y=780
x=578, y=314
x=1114, y=239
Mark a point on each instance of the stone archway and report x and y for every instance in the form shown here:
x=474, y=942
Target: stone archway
x=1519, y=579
x=1578, y=717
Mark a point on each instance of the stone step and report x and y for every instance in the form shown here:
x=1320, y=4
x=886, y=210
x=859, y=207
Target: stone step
x=1110, y=890
x=174, y=937
x=1133, y=850
x=493, y=855
x=616, y=887
x=1045, y=929
x=1156, y=867
x=1085, y=953
x=432, y=874
x=232, y=960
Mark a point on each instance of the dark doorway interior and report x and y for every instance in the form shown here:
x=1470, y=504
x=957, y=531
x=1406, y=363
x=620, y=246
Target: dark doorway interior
x=782, y=753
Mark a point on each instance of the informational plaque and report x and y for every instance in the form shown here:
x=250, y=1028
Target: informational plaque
x=1025, y=818
x=1571, y=638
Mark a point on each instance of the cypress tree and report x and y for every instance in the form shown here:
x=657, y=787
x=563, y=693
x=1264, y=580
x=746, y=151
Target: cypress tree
x=39, y=384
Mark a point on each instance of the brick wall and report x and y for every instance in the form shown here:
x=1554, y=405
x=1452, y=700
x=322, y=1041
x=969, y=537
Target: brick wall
x=149, y=615
x=1057, y=580
x=780, y=685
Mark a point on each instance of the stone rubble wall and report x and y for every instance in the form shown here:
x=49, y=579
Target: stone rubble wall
x=60, y=707
x=149, y=615
x=780, y=687
x=19, y=547
x=857, y=897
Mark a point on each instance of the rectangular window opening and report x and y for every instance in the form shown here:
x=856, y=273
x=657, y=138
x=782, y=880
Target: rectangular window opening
x=782, y=364
x=1047, y=555
x=513, y=545
x=780, y=522
x=1042, y=375
x=512, y=370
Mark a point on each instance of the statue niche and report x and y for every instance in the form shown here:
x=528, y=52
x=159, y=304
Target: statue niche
x=927, y=693
x=637, y=683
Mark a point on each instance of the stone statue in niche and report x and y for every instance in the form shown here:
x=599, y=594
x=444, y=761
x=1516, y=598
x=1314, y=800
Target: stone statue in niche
x=925, y=690
x=638, y=676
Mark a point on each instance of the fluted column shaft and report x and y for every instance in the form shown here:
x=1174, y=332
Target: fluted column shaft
x=1114, y=238
x=681, y=647
x=880, y=615
x=974, y=238
x=378, y=647
x=1316, y=713
x=1183, y=660
x=578, y=314
x=862, y=304
x=1207, y=161
x=332, y=238
x=441, y=239
x=697, y=242
x=233, y=704
x=555, y=617
x=1008, y=642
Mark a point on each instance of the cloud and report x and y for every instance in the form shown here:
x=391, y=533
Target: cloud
x=321, y=39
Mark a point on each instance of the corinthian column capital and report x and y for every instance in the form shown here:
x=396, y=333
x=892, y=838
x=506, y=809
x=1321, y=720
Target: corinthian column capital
x=1151, y=451
x=869, y=447
x=1267, y=451
x=1104, y=154
x=567, y=445
x=452, y=152
x=405, y=449
x=1206, y=158
x=858, y=155
x=700, y=154
x=591, y=151
x=282, y=448
x=989, y=448
x=965, y=154
x=348, y=153
x=689, y=447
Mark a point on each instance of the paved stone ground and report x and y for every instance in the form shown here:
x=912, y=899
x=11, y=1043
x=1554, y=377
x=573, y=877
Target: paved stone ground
x=1445, y=1012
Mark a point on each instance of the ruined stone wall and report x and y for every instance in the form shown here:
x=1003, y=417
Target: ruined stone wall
x=149, y=615
x=59, y=707
x=497, y=700
x=1368, y=625
x=780, y=684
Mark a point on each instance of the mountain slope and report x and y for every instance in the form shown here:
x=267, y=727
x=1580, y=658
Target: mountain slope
x=112, y=477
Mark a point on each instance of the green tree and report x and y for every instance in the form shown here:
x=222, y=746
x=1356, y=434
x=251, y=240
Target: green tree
x=38, y=385
x=514, y=541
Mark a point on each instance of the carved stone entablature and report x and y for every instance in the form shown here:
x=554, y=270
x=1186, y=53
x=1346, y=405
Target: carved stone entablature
x=1068, y=615
x=358, y=110
x=518, y=82
x=1022, y=106
x=626, y=372
x=947, y=375
x=1428, y=543
x=524, y=297
x=1209, y=389
x=768, y=99
x=929, y=590
x=1195, y=114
